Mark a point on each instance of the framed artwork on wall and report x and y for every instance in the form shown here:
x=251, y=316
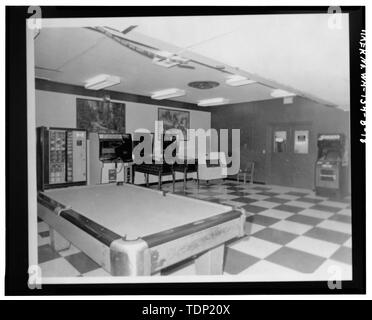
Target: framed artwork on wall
x=175, y=119
x=100, y=116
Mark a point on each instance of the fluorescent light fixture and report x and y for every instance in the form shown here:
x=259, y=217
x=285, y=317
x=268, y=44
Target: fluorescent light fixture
x=163, y=54
x=167, y=63
x=279, y=93
x=238, y=80
x=212, y=102
x=180, y=59
x=101, y=81
x=168, y=59
x=168, y=93
x=343, y=108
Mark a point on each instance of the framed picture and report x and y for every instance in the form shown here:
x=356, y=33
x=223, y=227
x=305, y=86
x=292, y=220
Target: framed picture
x=175, y=119
x=100, y=116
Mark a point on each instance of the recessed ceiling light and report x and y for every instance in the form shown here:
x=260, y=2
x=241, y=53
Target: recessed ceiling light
x=168, y=93
x=101, y=81
x=203, y=84
x=279, y=93
x=238, y=80
x=212, y=102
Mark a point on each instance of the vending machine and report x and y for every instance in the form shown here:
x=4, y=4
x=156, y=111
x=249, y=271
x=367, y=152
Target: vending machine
x=331, y=166
x=61, y=157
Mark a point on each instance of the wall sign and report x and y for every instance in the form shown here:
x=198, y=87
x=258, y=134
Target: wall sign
x=280, y=141
x=301, y=141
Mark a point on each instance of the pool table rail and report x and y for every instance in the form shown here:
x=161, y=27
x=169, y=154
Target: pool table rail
x=96, y=230
x=181, y=231
x=199, y=242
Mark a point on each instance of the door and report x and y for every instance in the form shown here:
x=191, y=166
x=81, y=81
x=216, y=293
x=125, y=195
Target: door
x=303, y=156
x=278, y=155
x=290, y=155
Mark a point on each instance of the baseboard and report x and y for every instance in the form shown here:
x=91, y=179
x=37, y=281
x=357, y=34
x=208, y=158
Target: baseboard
x=254, y=181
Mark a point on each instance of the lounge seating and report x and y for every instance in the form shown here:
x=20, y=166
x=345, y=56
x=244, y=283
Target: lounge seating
x=215, y=167
x=247, y=171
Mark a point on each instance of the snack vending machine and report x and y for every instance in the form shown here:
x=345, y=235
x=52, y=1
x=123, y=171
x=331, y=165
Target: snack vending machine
x=61, y=157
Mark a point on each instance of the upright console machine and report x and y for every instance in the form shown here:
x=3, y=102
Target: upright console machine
x=61, y=157
x=110, y=155
x=331, y=166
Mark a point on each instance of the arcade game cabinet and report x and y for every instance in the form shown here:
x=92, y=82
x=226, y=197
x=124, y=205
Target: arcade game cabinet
x=331, y=167
x=110, y=154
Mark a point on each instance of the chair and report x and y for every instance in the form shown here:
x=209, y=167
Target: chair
x=214, y=168
x=249, y=170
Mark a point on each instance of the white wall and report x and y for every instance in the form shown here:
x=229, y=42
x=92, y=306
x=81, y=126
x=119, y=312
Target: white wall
x=55, y=109
x=59, y=110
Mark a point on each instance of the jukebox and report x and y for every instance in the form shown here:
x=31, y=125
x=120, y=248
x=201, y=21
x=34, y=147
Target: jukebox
x=331, y=166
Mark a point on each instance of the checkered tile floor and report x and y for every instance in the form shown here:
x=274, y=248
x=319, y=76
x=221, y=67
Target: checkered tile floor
x=292, y=235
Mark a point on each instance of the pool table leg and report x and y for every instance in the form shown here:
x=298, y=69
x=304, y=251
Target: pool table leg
x=197, y=177
x=173, y=180
x=184, y=178
x=147, y=179
x=58, y=242
x=131, y=174
x=210, y=262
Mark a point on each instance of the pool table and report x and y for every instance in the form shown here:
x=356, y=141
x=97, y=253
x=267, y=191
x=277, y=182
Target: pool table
x=131, y=230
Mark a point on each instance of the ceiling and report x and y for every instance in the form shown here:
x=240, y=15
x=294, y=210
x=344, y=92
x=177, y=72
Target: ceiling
x=296, y=53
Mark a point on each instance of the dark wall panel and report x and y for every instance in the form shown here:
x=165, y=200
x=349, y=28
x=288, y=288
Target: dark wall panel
x=254, y=119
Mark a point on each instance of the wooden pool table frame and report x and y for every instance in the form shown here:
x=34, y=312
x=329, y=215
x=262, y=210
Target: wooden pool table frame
x=147, y=255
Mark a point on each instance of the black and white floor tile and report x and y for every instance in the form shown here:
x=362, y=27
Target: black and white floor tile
x=292, y=235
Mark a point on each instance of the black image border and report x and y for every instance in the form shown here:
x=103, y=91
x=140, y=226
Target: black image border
x=16, y=159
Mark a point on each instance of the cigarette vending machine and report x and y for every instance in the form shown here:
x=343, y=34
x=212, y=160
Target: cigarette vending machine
x=331, y=166
x=61, y=157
